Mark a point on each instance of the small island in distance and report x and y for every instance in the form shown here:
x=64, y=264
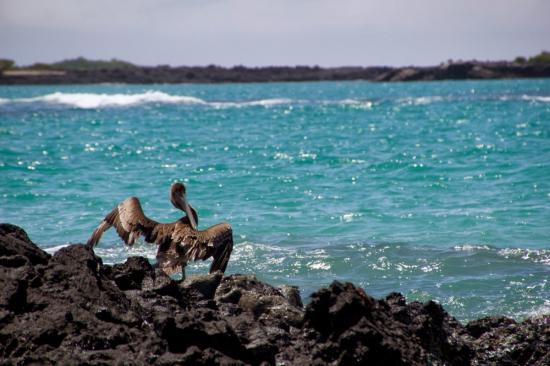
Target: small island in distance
x=84, y=71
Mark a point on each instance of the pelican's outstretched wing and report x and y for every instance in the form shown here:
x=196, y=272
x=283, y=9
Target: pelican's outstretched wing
x=187, y=244
x=130, y=222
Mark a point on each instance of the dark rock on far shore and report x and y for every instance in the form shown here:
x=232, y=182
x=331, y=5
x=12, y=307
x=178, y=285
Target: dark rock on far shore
x=242, y=74
x=467, y=70
x=70, y=308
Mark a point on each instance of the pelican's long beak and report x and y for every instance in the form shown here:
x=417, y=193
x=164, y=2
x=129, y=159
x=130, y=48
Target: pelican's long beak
x=189, y=213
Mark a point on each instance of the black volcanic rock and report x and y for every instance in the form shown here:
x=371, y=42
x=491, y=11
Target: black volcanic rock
x=503, y=341
x=14, y=242
x=466, y=70
x=353, y=328
x=241, y=74
x=70, y=308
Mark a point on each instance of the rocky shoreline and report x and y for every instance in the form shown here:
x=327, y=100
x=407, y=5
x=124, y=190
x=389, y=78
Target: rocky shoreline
x=242, y=74
x=70, y=308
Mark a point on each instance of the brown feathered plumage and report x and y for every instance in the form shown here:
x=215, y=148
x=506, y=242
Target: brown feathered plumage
x=178, y=242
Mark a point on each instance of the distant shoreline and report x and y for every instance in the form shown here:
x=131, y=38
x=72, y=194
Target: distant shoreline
x=240, y=74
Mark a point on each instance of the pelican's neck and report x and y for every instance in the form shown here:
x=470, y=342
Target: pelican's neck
x=194, y=214
x=181, y=203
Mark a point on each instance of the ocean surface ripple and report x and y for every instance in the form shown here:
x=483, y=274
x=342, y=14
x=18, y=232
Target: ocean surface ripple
x=438, y=189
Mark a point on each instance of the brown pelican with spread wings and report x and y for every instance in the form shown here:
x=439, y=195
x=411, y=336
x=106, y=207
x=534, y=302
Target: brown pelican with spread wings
x=178, y=242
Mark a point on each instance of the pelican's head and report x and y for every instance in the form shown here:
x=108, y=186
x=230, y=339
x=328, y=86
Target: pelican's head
x=179, y=200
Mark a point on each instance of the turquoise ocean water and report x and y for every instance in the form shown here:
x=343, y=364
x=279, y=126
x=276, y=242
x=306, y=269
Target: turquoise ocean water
x=437, y=190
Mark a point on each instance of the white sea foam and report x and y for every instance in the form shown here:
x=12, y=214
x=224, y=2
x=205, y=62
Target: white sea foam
x=350, y=216
x=470, y=247
x=52, y=250
x=119, y=252
x=427, y=100
x=267, y=102
x=93, y=100
x=536, y=255
x=538, y=313
x=354, y=103
x=421, y=100
x=318, y=265
x=282, y=156
x=252, y=103
x=538, y=98
x=102, y=100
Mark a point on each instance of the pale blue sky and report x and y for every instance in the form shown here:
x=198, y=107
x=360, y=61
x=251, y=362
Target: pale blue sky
x=274, y=32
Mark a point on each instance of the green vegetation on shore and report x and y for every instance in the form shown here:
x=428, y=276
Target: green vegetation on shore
x=79, y=63
x=82, y=63
x=6, y=64
x=543, y=57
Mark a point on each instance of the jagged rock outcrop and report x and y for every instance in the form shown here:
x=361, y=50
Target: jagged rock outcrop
x=70, y=308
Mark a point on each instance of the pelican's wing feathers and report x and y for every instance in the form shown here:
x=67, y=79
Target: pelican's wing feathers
x=187, y=244
x=130, y=222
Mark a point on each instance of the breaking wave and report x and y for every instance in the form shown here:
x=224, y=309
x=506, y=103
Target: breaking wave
x=541, y=256
x=102, y=100
x=94, y=100
x=53, y=250
x=421, y=100
x=252, y=103
x=537, y=98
